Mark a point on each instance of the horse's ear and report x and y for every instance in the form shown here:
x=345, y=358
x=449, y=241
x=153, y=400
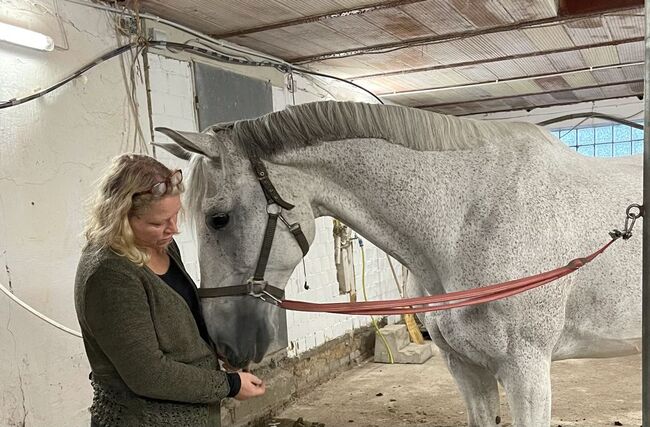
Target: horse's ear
x=174, y=149
x=199, y=143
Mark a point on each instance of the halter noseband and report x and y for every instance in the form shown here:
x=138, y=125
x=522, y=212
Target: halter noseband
x=256, y=286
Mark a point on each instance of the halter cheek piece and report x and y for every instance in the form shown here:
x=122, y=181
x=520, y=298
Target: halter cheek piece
x=256, y=286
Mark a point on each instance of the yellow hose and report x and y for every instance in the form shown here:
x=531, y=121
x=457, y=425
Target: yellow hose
x=414, y=332
x=365, y=297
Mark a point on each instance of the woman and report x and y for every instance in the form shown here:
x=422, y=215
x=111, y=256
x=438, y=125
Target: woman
x=152, y=360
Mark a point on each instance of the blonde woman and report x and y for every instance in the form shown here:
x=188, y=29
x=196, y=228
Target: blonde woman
x=152, y=360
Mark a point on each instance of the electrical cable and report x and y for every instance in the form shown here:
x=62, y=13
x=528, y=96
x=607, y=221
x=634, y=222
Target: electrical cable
x=38, y=314
x=568, y=131
x=592, y=114
x=314, y=73
x=17, y=101
x=200, y=51
x=206, y=51
x=64, y=34
x=181, y=28
x=284, y=67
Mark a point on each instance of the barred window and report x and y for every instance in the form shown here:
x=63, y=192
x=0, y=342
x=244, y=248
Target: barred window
x=602, y=140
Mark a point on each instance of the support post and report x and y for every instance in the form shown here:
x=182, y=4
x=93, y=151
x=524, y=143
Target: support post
x=645, y=346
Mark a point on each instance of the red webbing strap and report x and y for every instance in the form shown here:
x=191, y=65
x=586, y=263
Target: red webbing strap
x=445, y=301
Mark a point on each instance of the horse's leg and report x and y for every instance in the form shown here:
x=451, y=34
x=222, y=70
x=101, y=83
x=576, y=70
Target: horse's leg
x=477, y=385
x=527, y=383
x=479, y=389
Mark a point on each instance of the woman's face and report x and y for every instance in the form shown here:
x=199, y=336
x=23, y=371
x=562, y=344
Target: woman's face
x=156, y=226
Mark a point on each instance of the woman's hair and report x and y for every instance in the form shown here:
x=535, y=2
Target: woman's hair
x=108, y=220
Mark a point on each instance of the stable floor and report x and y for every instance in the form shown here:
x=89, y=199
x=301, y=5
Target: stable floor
x=588, y=392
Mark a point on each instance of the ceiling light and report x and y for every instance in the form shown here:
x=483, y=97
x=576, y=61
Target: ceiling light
x=24, y=37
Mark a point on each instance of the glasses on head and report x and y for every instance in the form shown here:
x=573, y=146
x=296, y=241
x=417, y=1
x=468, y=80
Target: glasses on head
x=165, y=186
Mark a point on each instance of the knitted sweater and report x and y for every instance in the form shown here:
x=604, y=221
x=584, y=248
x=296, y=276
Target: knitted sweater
x=150, y=366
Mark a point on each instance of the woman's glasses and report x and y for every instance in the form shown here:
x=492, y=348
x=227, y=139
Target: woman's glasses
x=165, y=186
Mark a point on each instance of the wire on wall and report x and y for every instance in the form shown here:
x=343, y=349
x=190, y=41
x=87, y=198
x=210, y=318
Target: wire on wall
x=38, y=314
x=205, y=51
x=129, y=79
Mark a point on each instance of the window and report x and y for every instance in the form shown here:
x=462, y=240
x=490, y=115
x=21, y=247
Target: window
x=603, y=140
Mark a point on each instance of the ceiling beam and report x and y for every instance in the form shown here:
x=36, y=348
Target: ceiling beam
x=498, y=59
x=499, y=98
x=316, y=18
x=386, y=47
x=578, y=7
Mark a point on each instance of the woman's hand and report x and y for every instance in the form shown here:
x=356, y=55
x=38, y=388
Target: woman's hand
x=251, y=386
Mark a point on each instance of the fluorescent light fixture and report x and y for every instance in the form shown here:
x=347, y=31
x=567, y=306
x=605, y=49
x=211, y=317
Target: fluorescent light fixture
x=24, y=37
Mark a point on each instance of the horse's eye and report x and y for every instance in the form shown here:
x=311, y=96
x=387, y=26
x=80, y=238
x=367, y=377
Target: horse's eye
x=218, y=221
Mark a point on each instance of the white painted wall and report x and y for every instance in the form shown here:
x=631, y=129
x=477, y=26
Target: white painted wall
x=51, y=152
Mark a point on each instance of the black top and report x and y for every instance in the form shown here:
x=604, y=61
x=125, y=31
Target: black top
x=179, y=282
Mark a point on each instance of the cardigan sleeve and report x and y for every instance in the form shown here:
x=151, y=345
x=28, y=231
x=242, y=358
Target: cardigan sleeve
x=118, y=315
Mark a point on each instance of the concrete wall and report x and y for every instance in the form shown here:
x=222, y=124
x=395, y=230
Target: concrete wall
x=51, y=152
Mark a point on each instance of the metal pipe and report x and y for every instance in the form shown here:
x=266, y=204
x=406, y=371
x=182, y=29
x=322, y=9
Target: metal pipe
x=645, y=275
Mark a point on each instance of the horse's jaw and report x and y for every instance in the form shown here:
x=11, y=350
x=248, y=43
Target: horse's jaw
x=242, y=328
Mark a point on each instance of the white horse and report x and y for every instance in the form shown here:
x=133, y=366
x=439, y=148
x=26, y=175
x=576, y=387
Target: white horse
x=461, y=203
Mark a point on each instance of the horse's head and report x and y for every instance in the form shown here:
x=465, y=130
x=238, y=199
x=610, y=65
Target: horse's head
x=231, y=213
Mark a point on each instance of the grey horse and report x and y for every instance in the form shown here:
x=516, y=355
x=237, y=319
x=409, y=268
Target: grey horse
x=462, y=203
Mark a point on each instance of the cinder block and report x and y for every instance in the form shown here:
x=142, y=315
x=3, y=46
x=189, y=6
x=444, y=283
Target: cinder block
x=395, y=336
x=414, y=353
x=401, y=348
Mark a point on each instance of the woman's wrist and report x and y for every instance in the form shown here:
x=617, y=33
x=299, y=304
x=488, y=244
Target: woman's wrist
x=234, y=381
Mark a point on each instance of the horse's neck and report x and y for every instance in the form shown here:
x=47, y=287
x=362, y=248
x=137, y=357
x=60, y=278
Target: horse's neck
x=424, y=208
x=387, y=194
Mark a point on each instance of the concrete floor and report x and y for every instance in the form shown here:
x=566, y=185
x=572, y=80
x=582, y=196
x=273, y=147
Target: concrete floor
x=588, y=392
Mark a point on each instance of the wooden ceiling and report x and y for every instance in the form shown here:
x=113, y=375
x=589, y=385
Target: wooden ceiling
x=452, y=56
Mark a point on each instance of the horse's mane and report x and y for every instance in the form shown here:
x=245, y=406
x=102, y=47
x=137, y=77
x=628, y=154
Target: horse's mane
x=308, y=124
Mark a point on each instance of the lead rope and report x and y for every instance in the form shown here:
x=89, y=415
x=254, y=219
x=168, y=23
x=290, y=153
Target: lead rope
x=468, y=297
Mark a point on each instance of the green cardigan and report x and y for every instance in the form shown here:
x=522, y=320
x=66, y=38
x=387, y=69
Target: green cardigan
x=150, y=366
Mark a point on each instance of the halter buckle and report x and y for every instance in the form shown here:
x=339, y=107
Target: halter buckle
x=256, y=288
x=273, y=209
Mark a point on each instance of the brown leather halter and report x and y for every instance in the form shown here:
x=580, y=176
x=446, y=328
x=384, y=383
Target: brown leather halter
x=256, y=286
